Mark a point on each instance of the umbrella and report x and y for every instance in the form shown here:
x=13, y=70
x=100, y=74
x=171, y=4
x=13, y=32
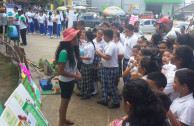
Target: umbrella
x=113, y=10
x=79, y=7
x=61, y=8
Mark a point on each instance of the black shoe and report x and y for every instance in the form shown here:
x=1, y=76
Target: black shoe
x=80, y=95
x=120, y=97
x=102, y=103
x=22, y=44
x=85, y=97
x=93, y=94
x=113, y=106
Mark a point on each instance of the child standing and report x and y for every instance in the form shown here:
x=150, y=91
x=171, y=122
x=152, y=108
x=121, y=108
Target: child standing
x=109, y=71
x=58, y=19
x=87, y=65
x=41, y=23
x=183, y=106
x=50, y=24
x=99, y=44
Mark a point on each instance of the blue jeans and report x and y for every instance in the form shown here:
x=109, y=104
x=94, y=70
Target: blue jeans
x=58, y=30
x=50, y=28
x=41, y=28
x=36, y=26
x=31, y=27
x=45, y=27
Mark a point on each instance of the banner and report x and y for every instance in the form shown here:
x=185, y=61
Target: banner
x=133, y=7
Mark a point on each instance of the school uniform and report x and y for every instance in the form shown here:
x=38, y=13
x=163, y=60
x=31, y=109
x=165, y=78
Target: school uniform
x=62, y=21
x=129, y=43
x=36, y=26
x=50, y=24
x=168, y=68
x=41, y=20
x=110, y=73
x=23, y=29
x=58, y=25
x=99, y=46
x=122, y=38
x=120, y=49
x=86, y=69
x=183, y=109
x=66, y=83
x=30, y=23
x=66, y=19
x=17, y=23
x=45, y=23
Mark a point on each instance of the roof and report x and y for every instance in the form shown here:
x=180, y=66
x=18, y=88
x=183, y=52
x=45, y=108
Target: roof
x=188, y=8
x=163, y=1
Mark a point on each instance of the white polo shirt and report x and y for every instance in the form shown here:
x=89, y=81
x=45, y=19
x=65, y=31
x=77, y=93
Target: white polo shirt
x=15, y=16
x=110, y=50
x=41, y=19
x=128, y=45
x=29, y=17
x=58, y=19
x=183, y=109
x=100, y=45
x=21, y=20
x=50, y=22
x=89, y=52
x=122, y=38
x=120, y=47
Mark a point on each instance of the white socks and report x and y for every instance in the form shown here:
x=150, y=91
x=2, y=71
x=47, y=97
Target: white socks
x=95, y=87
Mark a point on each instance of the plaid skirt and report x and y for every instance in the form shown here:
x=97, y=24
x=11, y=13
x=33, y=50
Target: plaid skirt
x=95, y=73
x=86, y=82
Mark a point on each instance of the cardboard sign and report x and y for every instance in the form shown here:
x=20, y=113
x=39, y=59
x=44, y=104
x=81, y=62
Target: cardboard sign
x=21, y=95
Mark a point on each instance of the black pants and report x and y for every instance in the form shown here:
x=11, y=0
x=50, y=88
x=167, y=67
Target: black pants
x=54, y=28
x=23, y=35
x=66, y=24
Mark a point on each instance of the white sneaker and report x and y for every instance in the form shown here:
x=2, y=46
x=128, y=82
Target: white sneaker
x=40, y=34
x=34, y=33
x=51, y=37
x=29, y=33
x=48, y=34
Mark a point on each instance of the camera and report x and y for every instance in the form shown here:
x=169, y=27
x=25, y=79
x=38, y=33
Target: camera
x=161, y=26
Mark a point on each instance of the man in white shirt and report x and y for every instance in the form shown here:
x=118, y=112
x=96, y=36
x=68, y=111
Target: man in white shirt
x=66, y=18
x=75, y=19
x=115, y=28
x=109, y=71
x=130, y=41
x=30, y=22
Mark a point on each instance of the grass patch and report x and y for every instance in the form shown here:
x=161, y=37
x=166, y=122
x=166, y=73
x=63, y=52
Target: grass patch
x=9, y=77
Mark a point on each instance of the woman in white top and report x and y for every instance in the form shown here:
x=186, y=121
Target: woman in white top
x=50, y=24
x=87, y=66
x=120, y=53
x=67, y=55
x=41, y=19
x=58, y=20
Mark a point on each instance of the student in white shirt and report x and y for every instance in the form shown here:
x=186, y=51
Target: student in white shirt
x=45, y=22
x=62, y=20
x=66, y=18
x=16, y=21
x=30, y=22
x=87, y=66
x=41, y=20
x=182, y=58
x=130, y=41
x=58, y=19
x=36, y=26
x=50, y=19
x=99, y=44
x=23, y=27
x=110, y=71
x=115, y=28
x=75, y=16
x=120, y=48
x=183, y=106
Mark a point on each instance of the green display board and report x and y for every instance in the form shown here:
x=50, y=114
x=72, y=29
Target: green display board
x=163, y=1
x=31, y=91
x=40, y=119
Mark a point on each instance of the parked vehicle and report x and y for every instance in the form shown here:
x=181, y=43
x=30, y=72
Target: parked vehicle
x=177, y=28
x=147, y=15
x=147, y=25
x=92, y=20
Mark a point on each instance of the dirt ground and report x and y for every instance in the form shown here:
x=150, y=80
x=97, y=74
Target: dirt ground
x=8, y=78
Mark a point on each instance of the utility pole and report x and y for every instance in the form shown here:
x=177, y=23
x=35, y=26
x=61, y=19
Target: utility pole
x=121, y=4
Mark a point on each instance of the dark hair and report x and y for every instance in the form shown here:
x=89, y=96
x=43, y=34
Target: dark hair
x=117, y=34
x=167, y=42
x=186, y=39
x=136, y=29
x=146, y=109
x=90, y=37
x=57, y=12
x=81, y=22
x=183, y=27
x=164, y=99
x=137, y=47
x=146, y=52
x=136, y=23
x=50, y=13
x=130, y=27
x=121, y=29
x=105, y=23
x=186, y=54
x=15, y=7
x=108, y=33
x=147, y=42
x=115, y=24
x=170, y=51
x=20, y=12
x=151, y=64
x=186, y=76
x=156, y=38
x=158, y=78
x=70, y=56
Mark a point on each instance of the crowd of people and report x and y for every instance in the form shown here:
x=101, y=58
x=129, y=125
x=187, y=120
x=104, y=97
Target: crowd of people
x=157, y=73
x=41, y=22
